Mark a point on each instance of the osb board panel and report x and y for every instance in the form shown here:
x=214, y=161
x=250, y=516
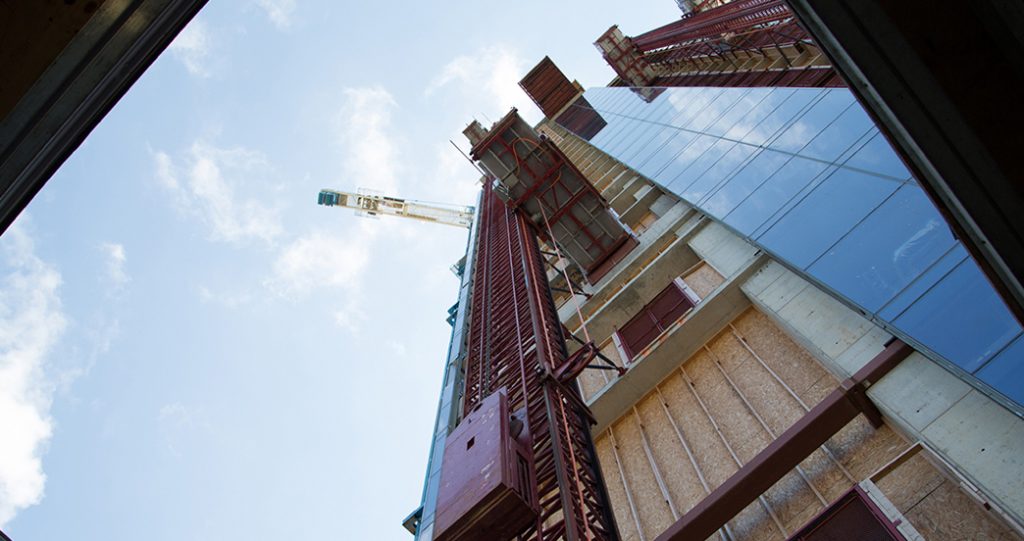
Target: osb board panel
x=948, y=513
x=766, y=395
x=676, y=469
x=740, y=428
x=863, y=450
x=787, y=359
x=709, y=452
x=703, y=280
x=651, y=506
x=616, y=492
x=911, y=482
x=790, y=498
x=858, y=447
x=824, y=473
x=754, y=524
x=703, y=373
x=821, y=389
x=730, y=353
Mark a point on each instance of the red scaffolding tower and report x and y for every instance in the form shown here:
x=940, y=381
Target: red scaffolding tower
x=741, y=43
x=516, y=348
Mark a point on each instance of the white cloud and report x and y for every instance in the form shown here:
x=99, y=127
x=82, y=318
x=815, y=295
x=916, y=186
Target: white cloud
x=398, y=348
x=320, y=260
x=213, y=180
x=278, y=11
x=495, y=70
x=350, y=317
x=115, y=264
x=31, y=322
x=192, y=48
x=363, y=126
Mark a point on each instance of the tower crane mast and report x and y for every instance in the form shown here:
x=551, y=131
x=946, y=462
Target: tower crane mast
x=370, y=204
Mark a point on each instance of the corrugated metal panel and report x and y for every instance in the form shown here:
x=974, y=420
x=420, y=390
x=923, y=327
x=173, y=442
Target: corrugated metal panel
x=582, y=119
x=548, y=87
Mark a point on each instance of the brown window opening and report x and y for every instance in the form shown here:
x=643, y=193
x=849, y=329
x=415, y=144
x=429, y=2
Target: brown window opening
x=654, y=318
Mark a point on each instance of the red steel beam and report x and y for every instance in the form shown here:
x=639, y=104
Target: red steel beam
x=731, y=17
x=789, y=449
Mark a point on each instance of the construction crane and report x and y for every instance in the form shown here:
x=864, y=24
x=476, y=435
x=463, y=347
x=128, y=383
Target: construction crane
x=374, y=204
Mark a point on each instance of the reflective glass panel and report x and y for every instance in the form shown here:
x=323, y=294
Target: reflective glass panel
x=803, y=173
x=805, y=127
x=888, y=250
x=825, y=215
x=1006, y=370
x=961, y=318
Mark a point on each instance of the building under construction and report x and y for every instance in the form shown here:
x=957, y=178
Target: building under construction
x=759, y=287
x=710, y=300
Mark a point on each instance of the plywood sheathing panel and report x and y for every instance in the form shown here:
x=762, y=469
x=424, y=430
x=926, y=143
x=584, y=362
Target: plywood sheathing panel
x=863, y=450
x=740, y=429
x=709, y=452
x=792, y=495
x=858, y=447
x=790, y=498
x=703, y=280
x=936, y=506
x=753, y=523
x=616, y=491
x=768, y=398
x=787, y=359
x=703, y=374
x=910, y=483
x=677, y=472
x=823, y=470
x=948, y=513
x=821, y=388
x=651, y=507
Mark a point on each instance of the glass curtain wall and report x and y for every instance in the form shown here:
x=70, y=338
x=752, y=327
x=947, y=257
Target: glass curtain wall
x=805, y=174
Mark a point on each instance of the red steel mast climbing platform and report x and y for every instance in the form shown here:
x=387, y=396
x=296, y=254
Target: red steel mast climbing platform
x=521, y=463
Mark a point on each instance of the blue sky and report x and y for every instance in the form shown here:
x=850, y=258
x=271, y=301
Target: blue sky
x=191, y=348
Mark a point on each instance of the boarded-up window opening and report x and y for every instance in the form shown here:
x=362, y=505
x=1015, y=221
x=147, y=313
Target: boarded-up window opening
x=654, y=318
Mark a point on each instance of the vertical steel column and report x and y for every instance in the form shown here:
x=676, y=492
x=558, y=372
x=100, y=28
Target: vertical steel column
x=516, y=342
